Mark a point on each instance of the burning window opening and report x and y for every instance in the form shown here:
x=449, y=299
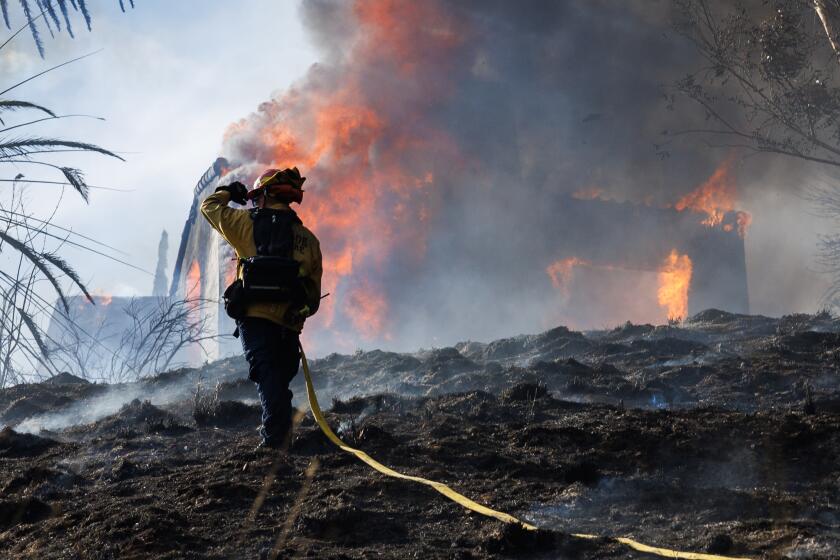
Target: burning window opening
x=672, y=286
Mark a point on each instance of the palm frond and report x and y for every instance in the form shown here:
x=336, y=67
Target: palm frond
x=9, y=215
x=85, y=13
x=75, y=177
x=4, y=7
x=52, y=19
x=46, y=19
x=36, y=121
x=16, y=148
x=57, y=66
x=32, y=327
x=62, y=5
x=122, y=4
x=36, y=35
x=12, y=105
x=16, y=33
x=65, y=267
x=77, y=181
x=40, y=263
x=65, y=240
x=47, y=5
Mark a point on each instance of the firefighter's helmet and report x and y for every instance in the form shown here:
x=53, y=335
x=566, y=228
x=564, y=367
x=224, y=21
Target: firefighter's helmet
x=283, y=184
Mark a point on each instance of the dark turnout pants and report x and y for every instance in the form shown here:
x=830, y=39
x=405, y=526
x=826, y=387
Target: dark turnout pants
x=273, y=358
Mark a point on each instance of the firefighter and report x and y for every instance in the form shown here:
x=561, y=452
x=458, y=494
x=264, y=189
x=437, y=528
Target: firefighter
x=269, y=327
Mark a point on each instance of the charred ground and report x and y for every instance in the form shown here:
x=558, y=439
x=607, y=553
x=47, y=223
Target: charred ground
x=719, y=435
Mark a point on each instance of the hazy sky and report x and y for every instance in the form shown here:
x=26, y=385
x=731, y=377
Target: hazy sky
x=170, y=78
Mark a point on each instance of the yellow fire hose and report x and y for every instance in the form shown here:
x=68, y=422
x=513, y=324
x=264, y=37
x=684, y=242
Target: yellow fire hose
x=466, y=502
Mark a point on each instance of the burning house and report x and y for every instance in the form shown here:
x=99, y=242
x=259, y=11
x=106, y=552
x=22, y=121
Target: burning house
x=600, y=263
x=658, y=262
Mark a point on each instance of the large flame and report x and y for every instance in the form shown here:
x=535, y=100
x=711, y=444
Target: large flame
x=674, y=280
x=369, y=157
x=715, y=197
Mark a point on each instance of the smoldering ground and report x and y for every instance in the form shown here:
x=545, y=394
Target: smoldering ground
x=717, y=436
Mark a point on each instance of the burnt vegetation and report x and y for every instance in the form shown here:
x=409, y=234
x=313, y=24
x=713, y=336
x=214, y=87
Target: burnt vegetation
x=719, y=436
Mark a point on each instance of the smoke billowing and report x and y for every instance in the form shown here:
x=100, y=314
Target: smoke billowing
x=441, y=140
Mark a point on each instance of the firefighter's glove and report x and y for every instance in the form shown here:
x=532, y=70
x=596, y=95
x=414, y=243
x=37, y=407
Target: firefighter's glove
x=237, y=190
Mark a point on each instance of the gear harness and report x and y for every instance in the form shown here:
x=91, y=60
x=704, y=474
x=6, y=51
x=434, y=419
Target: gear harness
x=272, y=275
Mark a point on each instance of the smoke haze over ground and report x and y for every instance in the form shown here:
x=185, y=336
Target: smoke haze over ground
x=438, y=140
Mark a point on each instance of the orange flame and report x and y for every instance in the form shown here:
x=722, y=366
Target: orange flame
x=102, y=298
x=743, y=219
x=192, y=287
x=370, y=311
x=590, y=193
x=230, y=269
x=674, y=279
x=715, y=197
x=368, y=158
x=560, y=272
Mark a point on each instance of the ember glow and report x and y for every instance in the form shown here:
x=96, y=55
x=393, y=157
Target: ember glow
x=674, y=279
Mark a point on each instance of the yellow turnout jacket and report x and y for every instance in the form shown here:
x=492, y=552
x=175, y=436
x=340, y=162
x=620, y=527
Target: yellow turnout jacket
x=237, y=228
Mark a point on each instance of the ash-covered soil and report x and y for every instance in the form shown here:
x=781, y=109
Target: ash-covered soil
x=719, y=435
